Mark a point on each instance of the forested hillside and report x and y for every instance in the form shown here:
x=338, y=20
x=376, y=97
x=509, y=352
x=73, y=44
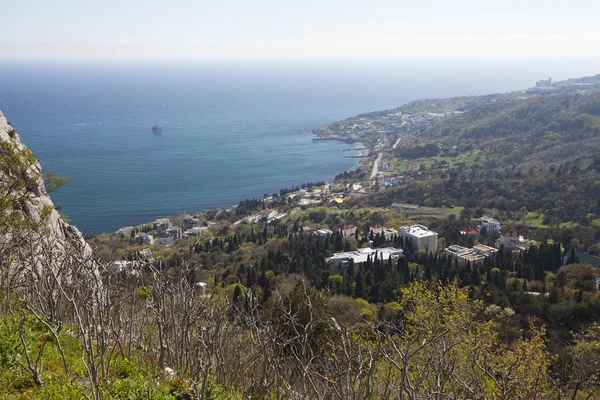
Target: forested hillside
x=541, y=153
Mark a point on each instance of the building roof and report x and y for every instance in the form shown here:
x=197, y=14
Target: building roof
x=418, y=231
x=482, y=248
x=361, y=255
x=457, y=250
x=510, y=234
x=469, y=230
x=350, y=226
x=490, y=220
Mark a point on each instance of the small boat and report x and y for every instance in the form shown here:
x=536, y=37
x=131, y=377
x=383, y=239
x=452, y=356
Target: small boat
x=156, y=129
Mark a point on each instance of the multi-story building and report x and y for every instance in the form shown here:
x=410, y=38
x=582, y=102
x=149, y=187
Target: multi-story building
x=491, y=225
x=422, y=238
x=342, y=260
x=475, y=256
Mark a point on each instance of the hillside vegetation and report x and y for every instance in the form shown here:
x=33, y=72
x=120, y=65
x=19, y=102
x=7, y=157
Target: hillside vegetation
x=540, y=153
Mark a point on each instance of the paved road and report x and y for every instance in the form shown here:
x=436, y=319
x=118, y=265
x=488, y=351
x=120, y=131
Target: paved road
x=376, y=165
x=396, y=144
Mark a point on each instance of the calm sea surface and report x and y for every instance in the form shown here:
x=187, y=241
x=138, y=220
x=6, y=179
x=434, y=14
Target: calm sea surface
x=230, y=132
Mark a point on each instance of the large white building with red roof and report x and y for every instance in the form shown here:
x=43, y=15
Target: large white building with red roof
x=348, y=230
x=511, y=239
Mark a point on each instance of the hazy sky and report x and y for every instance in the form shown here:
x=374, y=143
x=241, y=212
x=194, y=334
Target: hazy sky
x=308, y=29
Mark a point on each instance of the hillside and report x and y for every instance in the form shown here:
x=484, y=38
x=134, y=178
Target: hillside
x=539, y=129
x=250, y=305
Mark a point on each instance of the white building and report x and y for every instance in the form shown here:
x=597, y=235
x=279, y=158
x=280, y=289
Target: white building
x=475, y=256
x=195, y=231
x=190, y=222
x=348, y=230
x=491, y=225
x=162, y=223
x=126, y=230
x=376, y=229
x=360, y=256
x=465, y=255
x=511, y=240
x=389, y=233
x=323, y=232
x=485, y=250
x=166, y=241
x=127, y=268
x=144, y=238
x=266, y=215
x=175, y=232
x=422, y=238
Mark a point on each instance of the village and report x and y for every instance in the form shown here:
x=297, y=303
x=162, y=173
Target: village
x=164, y=232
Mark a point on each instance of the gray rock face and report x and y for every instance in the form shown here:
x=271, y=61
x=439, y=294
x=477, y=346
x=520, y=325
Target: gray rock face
x=49, y=239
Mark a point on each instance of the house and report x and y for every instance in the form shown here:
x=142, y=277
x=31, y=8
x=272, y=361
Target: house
x=491, y=225
x=144, y=238
x=485, y=250
x=127, y=268
x=510, y=240
x=342, y=260
x=162, y=223
x=470, y=231
x=323, y=232
x=475, y=255
x=190, y=223
x=389, y=233
x=422, y=238
x=126, y=230
x=165, y=240
x=195, y=231
x=266, y=215
x=376, y=229
x=348, y=230
x=175, y=232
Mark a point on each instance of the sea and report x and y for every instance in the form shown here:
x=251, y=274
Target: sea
x=230, y=130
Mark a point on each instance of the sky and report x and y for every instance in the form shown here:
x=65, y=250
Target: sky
x=299, y=30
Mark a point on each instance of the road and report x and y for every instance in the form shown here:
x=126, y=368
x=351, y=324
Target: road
x=396, y=144
x=376, y=165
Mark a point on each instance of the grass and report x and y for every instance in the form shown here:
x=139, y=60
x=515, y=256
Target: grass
x=535, y=220
x=434, y=212
x=128, y=378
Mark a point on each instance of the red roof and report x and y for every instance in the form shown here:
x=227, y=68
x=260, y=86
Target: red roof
x=469, y=230
x=266, y=212
x=510, y=234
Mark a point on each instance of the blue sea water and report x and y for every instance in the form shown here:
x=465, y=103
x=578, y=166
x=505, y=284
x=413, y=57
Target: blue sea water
x=230, y=131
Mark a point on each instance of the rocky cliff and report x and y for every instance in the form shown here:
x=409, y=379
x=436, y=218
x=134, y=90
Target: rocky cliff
x=33, y=235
